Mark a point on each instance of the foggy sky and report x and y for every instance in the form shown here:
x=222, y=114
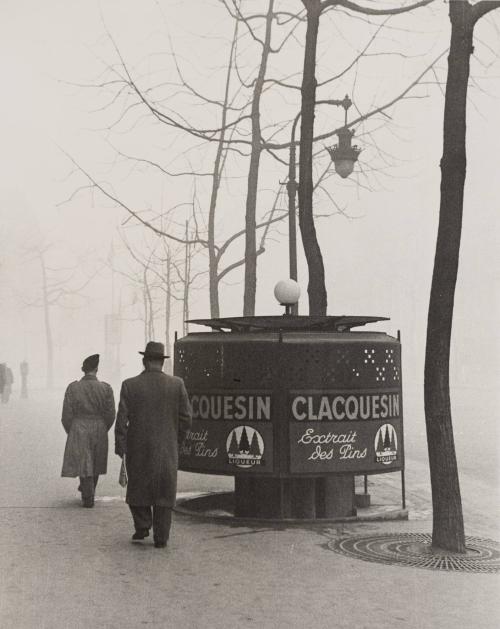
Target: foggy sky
x=378, y=262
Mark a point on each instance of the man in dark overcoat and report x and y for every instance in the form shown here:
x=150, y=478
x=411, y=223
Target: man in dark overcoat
x=153, y=418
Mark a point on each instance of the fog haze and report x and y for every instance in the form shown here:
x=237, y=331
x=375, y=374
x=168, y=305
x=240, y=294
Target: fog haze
x=378, y=254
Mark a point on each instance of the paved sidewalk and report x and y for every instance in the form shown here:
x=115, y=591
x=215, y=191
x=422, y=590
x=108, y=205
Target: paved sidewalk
x=67, y=566
x=63, y=566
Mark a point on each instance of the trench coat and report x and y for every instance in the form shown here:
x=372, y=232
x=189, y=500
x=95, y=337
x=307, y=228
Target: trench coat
x=88, y=413
x=153, y=417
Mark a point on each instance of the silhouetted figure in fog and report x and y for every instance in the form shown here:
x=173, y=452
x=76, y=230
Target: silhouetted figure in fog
x=2, y=377
x=24, y=369
x=154, y=414
x=8, y=382
x=88, y=413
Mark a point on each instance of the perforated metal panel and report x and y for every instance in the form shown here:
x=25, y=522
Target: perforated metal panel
x=221, y=361
x=363, y=360
x=360, y=363
x=199, y=364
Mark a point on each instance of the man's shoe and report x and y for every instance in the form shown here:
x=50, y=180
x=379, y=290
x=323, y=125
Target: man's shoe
x=88, y=502
x=160, y=544
x=140, y=534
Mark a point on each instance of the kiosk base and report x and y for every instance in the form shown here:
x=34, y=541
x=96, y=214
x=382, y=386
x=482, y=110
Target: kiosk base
x=296, y=498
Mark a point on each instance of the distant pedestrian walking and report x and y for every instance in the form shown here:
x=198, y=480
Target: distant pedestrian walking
x=2, y=377
x=24, y=369
x=8, y=382
x=88, y=413
x=154, y=415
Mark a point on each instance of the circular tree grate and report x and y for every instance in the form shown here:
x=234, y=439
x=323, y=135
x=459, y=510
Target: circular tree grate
x=414, y=549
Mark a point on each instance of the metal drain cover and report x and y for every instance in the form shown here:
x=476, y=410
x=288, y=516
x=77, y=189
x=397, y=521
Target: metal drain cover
x=414, y=549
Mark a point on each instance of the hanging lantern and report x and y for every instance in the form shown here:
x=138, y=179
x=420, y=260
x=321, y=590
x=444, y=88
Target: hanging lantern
x=343, y=154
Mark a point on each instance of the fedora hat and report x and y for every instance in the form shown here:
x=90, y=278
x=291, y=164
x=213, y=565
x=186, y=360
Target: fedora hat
x=154, y=350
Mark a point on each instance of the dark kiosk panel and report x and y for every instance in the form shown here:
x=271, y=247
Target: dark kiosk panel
x=298, y=404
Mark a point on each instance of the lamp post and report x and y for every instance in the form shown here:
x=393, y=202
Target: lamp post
x=343, y=155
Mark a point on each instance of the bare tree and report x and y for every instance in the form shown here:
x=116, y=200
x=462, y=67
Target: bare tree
x=153, y=274
x=233, y=137
x=127, y=85
x=47, y=300
x=253, y=170
x=314, y=8
x=448, y=525
x=217, y=270
x=59, y=287
x=166, y=270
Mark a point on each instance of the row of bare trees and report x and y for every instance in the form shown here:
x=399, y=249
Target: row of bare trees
x=159, y=276
x=62, y=287
x=243, y=135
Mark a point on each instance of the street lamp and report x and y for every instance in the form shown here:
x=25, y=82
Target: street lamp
x=287, y=292
x=343, y=155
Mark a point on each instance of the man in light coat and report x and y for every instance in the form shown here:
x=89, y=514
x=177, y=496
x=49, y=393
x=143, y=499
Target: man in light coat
x=153, y=417
x=88, y=413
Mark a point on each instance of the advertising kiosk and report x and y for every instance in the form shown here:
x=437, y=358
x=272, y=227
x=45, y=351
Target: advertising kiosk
x=293, y=407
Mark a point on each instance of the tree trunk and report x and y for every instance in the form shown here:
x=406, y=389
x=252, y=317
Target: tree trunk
x=167, y=367
x=253, y=175
x=168, y=303
x=146, y=315
x=316, y=288
x=149, y=309
x=213, y=261
x=48, y=327
x=187, y=272
x=213, y=285
x=448, y=526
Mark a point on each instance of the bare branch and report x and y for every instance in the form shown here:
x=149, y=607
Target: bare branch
x=484, y=7
x=235, y=265
x=159, y=167
x=369, y=11
x=358, y=56
x=131, y=212
x=205, y=134
x=272, y=146
x=223, y=248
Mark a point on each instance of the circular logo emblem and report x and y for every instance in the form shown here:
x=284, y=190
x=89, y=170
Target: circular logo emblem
x=386, y=444
x=245, y=447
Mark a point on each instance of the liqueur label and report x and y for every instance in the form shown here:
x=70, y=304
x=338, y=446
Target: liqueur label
x=245, y=447
x=357, y=447
x=386, y=445
x=222, y=446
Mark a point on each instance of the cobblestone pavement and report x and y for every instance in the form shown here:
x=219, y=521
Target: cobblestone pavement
x=63, y=566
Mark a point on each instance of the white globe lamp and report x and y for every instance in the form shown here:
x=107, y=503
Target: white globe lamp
x=287, y=292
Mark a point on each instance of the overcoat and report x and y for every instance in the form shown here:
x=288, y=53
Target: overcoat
x=153, y=417
x=88, y=413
